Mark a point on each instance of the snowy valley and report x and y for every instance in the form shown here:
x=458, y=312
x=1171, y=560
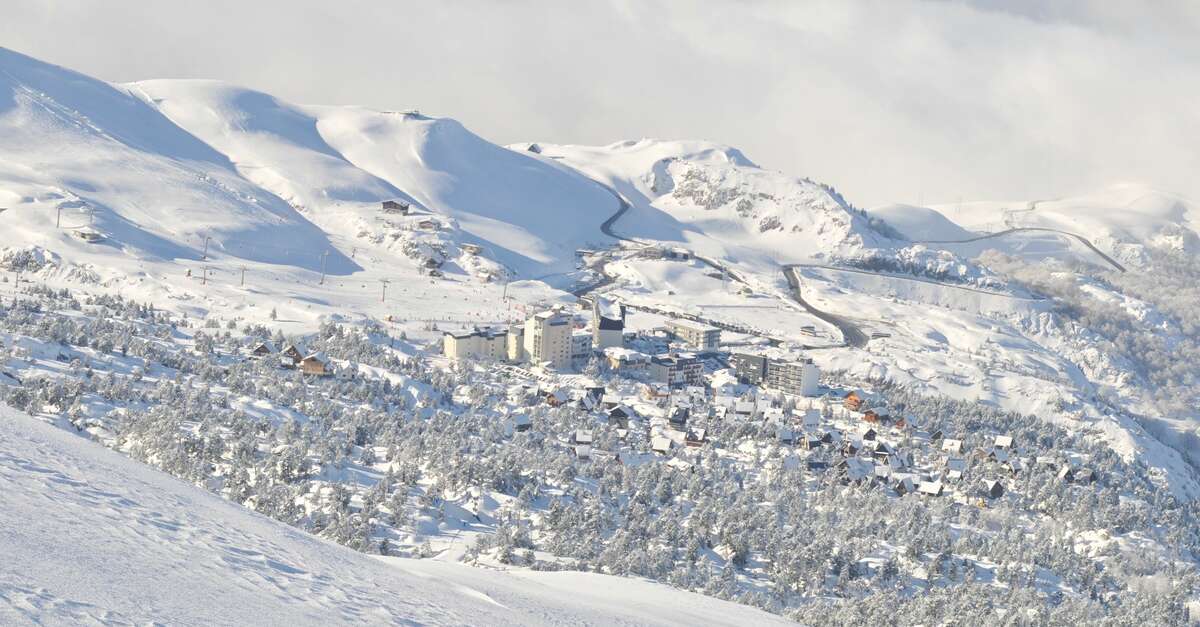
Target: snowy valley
x=1004, y=428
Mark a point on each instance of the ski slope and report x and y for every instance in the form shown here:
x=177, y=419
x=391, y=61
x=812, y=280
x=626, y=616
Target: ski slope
x=91, y=537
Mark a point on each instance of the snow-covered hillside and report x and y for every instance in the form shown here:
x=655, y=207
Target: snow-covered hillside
x=92, y=537
x=232, y=211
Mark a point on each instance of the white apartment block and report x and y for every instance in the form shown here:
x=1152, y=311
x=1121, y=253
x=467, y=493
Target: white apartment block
x=695, y=334
x=548, y=339
x=476, y=344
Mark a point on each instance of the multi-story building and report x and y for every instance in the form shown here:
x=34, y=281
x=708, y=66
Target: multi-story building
x=608, y=323
x=800, y=378
x=548, y=339
x=676, y=370
x=750, y=369
x=476, y=344
x=516, y=344
x=581, y=347
x=697, y=335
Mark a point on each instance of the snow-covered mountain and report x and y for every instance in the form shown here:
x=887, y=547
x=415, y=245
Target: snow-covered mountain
x=221, y=203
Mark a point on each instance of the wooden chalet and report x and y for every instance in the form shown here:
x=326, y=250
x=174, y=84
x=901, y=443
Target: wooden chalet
x=854, y=401
x=395, y=207
x=316, y=364
x=993, y=489
x=292, y=352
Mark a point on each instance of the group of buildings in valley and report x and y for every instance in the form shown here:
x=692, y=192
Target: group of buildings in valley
x=558, y=340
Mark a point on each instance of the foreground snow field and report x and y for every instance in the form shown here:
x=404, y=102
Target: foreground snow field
x=91, y=537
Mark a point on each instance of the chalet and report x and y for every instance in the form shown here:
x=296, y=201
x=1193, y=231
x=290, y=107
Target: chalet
x=428, y=225
x=1003, y=442
x=583, y=451
x=903, y=484
x=810, y=441
x=621, y=415
x=854, y=469
x=951, y=445
x=656, y=392
x=521, y=422
x=817, y=466
x=875, y=415
x=471, y=249
x=811, y=420
x=582, y=436
x=395, y=207
x=931, y=488
x=867, y=434
x=853, y=401
x=882, y=473
x=316, y=364
x=936, y=435
x=998, y=455
x=262, y=349
x=785, y=435
x=1046, y=462
x=661, y=444
x=678, y=416
x=679, y=465
x=291, y=352
x=882, y=452
x=1015, y=465
x=555, y=398
x=744, y=408
x=852, y=446
x=695, y=437
x=1085, y=476
x=1066, y=473
x=591, y=398
x=993, y=489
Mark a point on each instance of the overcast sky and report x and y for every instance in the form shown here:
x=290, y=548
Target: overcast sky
x=888, y=101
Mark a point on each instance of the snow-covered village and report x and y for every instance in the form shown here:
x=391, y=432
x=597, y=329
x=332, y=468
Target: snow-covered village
x=264, y=362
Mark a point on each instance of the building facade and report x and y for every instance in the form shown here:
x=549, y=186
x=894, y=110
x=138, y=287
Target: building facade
x=548, y=339
x=749, y=369
x=697, y=335
x=676, y=370
x=476, y=344
x=800, y=378
x=608, y=323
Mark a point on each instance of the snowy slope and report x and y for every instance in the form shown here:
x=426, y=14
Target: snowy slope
x=531, y=213
x=91, y=537
x=81, y=145
x=713, y=199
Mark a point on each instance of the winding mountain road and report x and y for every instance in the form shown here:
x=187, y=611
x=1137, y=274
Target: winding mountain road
x=851, y=334
x=1083, y=240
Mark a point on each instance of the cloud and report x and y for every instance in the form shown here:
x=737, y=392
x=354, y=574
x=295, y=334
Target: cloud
x=889, y=101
